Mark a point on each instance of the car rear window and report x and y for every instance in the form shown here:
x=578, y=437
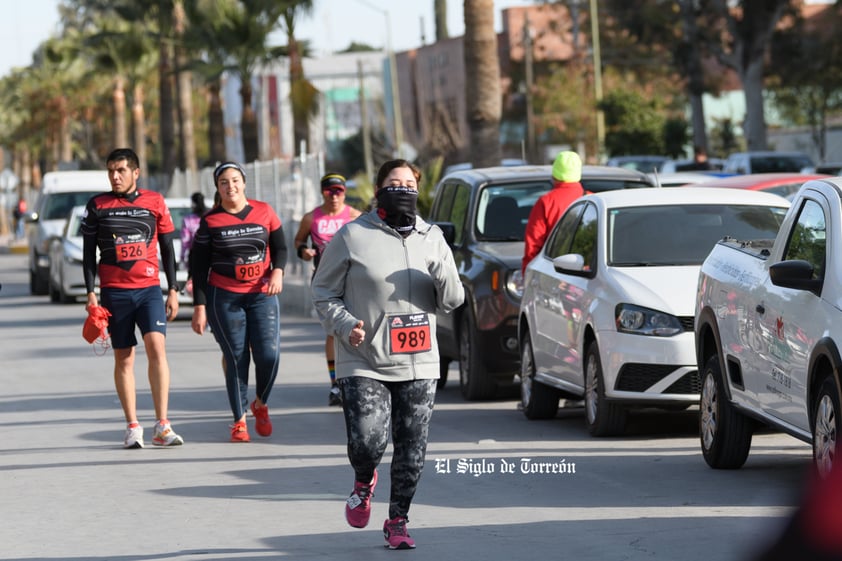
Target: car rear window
x=600, y=185
x=683, y=235
x=503, y=209
x=771, y=164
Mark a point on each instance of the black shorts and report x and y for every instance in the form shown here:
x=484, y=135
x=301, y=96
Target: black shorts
x=130, y=307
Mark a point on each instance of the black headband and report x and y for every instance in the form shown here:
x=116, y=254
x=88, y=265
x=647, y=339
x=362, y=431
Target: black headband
x=221, y=167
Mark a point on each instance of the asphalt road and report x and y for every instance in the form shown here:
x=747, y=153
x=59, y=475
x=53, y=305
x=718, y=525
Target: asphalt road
x=69, y=491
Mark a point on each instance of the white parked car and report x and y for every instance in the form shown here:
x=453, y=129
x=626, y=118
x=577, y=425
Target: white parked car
x=179, y=208
x=66, y=281
x=607, y=308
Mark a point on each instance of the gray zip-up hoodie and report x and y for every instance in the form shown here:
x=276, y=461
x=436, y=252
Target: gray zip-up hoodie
x=369, y=272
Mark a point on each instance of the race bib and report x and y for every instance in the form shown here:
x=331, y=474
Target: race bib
x=130, y=250
x=248, y=272
x=409, y=333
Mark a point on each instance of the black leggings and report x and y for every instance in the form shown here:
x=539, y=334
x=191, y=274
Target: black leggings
x=371, y=408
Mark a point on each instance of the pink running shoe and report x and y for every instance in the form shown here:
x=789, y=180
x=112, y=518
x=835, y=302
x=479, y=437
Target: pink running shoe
x=358, y=505
x=397, y=537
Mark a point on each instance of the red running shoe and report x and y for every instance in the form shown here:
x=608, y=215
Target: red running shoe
x=262, y=424
x=239, y=432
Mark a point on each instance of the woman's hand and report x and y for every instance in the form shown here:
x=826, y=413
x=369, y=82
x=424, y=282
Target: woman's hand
x=276, y=282
x=357, y=336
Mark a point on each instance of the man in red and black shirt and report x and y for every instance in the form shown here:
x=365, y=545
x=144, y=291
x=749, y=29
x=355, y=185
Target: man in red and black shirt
x=127, y=225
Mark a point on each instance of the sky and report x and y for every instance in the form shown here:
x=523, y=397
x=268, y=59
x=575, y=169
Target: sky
x=332, y=26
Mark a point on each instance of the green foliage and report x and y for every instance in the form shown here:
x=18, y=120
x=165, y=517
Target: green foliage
x=430, y=176
x=355, y=47
x=633, y=125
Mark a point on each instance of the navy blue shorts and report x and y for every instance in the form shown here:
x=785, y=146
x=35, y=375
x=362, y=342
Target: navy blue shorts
x=130, y=307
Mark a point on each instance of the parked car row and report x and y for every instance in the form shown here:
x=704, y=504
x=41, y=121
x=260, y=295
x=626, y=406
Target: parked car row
x=636, y=301
x=737, y=163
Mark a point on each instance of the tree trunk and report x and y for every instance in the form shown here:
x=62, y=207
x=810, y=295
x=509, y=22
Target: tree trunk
x=248, y=126
x=216, y=123
x=121, y=137
x=65, y=137
x=482, y=82
x=185, y=94
x=695, y=73
x=440, y=14
x=754, y=128
x=165, y=99
x=139, y=127
x=300, y=115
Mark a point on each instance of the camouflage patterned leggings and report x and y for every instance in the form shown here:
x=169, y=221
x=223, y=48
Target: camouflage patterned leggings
x=371, y=407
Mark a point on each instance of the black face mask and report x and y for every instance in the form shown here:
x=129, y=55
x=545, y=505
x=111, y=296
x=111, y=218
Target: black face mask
x=396, y=206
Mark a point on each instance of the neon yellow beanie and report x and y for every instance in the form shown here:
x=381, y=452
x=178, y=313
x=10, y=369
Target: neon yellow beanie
x=567, y=167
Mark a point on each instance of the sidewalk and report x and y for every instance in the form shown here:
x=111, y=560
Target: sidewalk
x=8, y=244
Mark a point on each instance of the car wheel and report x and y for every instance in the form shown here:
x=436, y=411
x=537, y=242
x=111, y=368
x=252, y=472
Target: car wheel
x=826, y=426
x=538, y=400
x=474, y=379
x=444, y=367
x=725, y=433
x=604, y=417
x=55, y=296
x=38, y=283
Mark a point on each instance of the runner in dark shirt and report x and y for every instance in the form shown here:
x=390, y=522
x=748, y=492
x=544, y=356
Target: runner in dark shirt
x=238, y=261
x=127, y=225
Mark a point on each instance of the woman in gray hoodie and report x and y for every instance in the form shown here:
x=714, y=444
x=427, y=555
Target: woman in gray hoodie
x=378, y=286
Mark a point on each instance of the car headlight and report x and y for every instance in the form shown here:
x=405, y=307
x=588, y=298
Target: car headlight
x=643, y=321
x=514, y=284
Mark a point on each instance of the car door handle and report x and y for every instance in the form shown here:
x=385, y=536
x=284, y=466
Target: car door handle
x=760, y=309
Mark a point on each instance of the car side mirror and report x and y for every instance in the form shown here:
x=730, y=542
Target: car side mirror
x=572, y=264
x=797, y=274
x=449, y=231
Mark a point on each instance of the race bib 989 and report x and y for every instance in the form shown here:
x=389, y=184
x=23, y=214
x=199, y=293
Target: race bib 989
x=409, y=333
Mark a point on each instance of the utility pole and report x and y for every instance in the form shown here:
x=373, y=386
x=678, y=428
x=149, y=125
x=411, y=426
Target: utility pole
x=597, y=83
x=366, y=126
x=530, y=120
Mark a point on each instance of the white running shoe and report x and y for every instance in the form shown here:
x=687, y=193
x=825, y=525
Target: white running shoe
x=165, y=436
x=133, y=437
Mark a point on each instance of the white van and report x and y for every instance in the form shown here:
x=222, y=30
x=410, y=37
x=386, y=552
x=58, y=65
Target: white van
x=60, y=192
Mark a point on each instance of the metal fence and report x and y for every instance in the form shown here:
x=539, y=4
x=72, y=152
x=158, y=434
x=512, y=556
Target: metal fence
x=291, y=187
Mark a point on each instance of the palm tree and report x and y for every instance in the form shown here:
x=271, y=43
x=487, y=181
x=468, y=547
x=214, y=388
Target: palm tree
x=127, y=51
x=303, y=95
x=482, y=82
x=203, y=39
x=245, y=27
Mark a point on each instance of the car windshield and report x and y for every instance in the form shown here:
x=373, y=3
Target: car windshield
x=683, y=235
x=74, y=226
x=58, y=205
x=503, y=209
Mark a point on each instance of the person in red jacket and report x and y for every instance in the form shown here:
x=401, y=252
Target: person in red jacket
x=567, y=174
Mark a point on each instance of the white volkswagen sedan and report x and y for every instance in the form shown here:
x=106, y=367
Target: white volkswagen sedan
x=607, y=308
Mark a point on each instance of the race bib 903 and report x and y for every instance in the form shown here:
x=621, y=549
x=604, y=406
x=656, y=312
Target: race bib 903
x=409, y=333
